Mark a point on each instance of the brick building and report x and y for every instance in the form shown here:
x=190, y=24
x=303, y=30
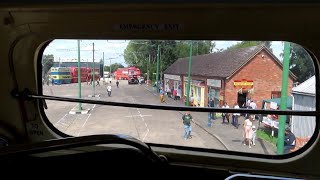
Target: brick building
x=229, y=76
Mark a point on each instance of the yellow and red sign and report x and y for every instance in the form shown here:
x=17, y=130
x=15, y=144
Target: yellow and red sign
x=243, y=84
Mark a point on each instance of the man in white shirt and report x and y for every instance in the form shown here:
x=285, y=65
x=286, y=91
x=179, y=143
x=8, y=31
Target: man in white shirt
x=109, y=90
x=253, y=105
x=235, y=116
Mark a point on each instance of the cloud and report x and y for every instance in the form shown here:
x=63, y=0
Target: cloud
x=277, y=48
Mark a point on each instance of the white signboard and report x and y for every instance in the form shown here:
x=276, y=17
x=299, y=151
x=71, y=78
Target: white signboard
x=185, y=78
x=173, y=77
x=273, y=105
x=214, y=83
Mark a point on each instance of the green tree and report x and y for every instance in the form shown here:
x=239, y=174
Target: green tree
x=301, y=63
x=143, y=53
x=199, y=48
x=114, y=67
x=47, y=63
x=245, y=44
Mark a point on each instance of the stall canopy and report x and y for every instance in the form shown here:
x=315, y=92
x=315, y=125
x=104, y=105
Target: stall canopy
x=278, y=100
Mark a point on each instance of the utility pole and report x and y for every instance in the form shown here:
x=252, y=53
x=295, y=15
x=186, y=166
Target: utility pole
x=148, y=69
x=93, y=73
x=189, y=72
x=79, y=77
x=283, y=104
x=197, y=47
x=110, y=69
x=103, y=68
x=161, y=65
x=158, y=60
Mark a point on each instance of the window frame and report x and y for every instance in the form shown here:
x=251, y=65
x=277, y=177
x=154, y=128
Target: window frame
x=312, y=140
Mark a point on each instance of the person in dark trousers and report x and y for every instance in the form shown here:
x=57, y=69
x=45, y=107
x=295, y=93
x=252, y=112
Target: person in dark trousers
x=98, y=83
x=225, y=115
x=186, y=119
x=211, y=104
x=109, y=90
x=289, y=141
x=175, y=94
x=117, y=83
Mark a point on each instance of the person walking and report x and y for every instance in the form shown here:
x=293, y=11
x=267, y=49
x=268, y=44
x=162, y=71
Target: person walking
x=162, y=93
x=235, y=116
x=98, y=81
x=211, y=104
x=109, y=90
x=248, y=132
x=254, y=135
x=117, y=83
x=225, y=115
x=186, y=120
x=175, y=94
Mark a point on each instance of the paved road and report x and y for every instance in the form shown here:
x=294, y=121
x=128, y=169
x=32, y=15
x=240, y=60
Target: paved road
x=156, y=126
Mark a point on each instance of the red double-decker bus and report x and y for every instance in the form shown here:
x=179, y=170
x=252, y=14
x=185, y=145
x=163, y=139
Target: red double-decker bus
x=96, y=73
x=122, y=73
x=74, y=74
x=85, y=74
x=133, y=75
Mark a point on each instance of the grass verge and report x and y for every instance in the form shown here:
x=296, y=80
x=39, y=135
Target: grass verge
x=266, y=136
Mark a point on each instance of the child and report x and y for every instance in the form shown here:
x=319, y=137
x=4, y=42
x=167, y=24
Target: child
x=254, y=130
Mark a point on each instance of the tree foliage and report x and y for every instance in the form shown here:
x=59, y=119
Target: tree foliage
x=301, y=63
x=143, y=53
x=245, y=44
x=47, y=63
x=114, y=67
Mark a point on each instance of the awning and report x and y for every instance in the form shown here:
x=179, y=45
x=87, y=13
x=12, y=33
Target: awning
x=278, y=100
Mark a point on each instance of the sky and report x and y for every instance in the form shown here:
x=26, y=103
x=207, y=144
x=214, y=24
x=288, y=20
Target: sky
x=66, y=50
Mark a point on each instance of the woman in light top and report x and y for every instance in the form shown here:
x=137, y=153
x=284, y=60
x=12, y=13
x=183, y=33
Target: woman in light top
x=248, y=132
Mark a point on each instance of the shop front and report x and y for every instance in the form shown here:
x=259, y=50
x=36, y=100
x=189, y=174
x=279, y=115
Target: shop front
x=172, y=82
x=197, y=92
x=214, y=91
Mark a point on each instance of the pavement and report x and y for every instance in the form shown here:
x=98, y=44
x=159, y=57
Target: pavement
x=226, y=133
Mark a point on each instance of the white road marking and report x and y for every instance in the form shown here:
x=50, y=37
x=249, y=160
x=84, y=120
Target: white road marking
x=141, y=116
x=83, y=125
x=145, y=135
x=95, y=104
x=61, y=119
x=74, y=106
x=87, y=118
